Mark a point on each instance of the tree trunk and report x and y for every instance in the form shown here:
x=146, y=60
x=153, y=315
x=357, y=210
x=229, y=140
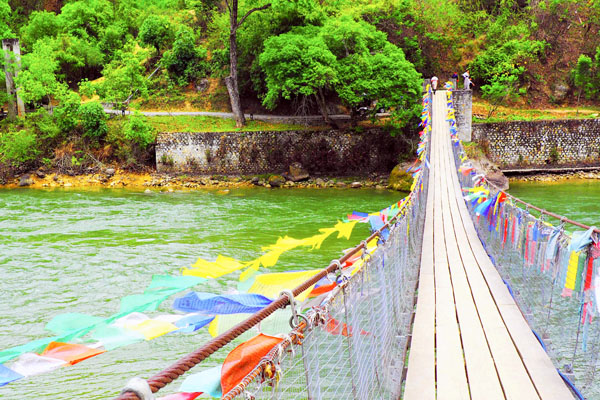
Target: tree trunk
x=234, y=98
x=323, y=108
x=232, y=80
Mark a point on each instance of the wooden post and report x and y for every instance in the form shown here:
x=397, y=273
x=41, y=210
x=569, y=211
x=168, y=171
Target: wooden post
x=12, y=66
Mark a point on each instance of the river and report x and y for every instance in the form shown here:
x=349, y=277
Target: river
x=578, y=200
x=82, y=251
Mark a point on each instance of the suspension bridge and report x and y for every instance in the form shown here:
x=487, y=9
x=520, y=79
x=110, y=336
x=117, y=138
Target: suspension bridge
x=459, y=293
x=469, y=338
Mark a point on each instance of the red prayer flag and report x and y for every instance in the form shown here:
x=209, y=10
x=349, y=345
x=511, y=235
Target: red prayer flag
x=244, y=358
x=69, y=352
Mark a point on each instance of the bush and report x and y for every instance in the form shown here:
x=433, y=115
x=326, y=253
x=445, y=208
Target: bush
x=185, y=62
x=67, y=112
x=18, y=147
x=93, y=119
x=156, y=31
x=43, y=125
x=138, y=131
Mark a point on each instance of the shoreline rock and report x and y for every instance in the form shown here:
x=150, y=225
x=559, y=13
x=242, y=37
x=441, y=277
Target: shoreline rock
x=551, y=178
x=164, y=182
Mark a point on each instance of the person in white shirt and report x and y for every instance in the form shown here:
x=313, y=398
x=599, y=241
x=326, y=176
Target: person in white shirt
x=468, y=81
x=434, y=82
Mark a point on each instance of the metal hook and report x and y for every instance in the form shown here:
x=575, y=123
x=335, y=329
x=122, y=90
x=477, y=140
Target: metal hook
x=292, y=301
x=364, y=246
x=295, y=323
x=339, y=272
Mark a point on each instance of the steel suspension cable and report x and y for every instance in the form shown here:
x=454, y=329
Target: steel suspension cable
x=180, y=367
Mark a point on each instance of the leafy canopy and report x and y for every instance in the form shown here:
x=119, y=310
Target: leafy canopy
x=156, y=31
x=185, y=62
x=38, y=78
x=348, y=57
x=296, y=63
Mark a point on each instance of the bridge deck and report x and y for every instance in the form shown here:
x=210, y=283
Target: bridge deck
x=469, y=340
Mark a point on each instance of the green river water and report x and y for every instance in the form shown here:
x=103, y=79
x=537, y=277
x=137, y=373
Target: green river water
x=82, y=251
x=578, y=200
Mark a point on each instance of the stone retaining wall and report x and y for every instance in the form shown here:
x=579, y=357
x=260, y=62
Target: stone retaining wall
x=331, y=153
x=539, y=143
x=463, y=105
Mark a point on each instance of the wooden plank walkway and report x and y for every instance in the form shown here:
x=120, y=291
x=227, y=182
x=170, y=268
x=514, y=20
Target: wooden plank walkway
x=469, y=339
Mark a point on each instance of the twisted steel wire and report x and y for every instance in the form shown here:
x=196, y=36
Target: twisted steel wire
x=180, y=367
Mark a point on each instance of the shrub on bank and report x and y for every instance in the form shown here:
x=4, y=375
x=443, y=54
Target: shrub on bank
x=138, y=131
x=18, y=147
x=93, y=119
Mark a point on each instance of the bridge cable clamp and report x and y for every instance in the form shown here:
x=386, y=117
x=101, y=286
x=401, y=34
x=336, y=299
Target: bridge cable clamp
x=140, y=388
x=294, y=321
x=340, y=277
x=364, y=244
x=563, y=222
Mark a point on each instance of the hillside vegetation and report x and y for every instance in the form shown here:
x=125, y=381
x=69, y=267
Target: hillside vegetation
x=291, y=57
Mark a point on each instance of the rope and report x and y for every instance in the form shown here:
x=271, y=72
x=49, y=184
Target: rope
x=180, y=367
x=562, y=218
x=171, y=373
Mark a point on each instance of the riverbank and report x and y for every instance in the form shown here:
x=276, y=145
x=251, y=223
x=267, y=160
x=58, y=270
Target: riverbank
x=116, y=178
x=550, y=178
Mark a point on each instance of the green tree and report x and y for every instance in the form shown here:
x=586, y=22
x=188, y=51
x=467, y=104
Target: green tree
x=77, y=57
x=66, y=113
x=38, y=78
x=86, y=18
x=124, y=77
x=93, y=119
x=139, y=131
x=18, y=147
x=231, y=81
x=156, y=31
x=371, y=71
x=114, y=37
x=582, y=76
x=5, y=16
x=500, y=89
x=185, y=62
x=42, y=24
x=298, y=63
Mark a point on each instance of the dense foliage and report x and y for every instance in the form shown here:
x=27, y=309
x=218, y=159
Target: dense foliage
x=300, y=56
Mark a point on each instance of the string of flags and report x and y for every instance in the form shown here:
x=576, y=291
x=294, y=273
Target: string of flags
x=571, y=259
x=78, y=337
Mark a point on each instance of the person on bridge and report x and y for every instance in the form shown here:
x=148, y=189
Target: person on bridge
x=468, y=81
x=434, y=82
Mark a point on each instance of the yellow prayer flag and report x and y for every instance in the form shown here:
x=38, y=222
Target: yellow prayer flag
x=270, y=285
x=206, y=269
x=151, y=328
x=345, y=228
x=253, y=266
x=572, y=270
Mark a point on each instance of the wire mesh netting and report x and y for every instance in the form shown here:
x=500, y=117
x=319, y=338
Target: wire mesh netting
x=354, y=346
x=352, y=342
x=552, y=273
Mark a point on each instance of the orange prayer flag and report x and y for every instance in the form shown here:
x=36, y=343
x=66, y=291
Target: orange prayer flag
x=244, y=358
x=69, y=352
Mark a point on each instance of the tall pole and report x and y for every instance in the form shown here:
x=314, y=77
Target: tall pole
x=12, y=66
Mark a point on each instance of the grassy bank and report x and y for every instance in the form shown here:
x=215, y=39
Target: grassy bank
x=481, y=110
x=184, y=123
